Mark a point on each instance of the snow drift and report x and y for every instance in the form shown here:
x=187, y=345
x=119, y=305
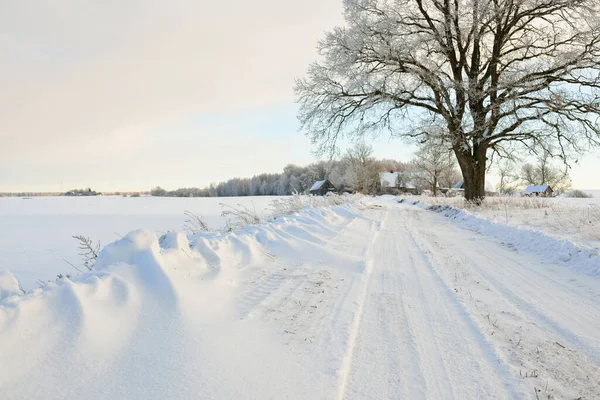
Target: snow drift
x=160, y=317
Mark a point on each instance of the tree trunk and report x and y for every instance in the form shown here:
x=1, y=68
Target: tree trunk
x=472, y=167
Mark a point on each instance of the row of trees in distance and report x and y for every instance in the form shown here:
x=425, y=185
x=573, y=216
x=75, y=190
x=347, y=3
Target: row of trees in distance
x=432, y=167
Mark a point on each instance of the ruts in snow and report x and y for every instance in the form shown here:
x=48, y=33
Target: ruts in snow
x=367, y=300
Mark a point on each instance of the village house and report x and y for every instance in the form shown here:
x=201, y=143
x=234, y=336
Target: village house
x=321, y=188
x=538, y=190
x=391, y=184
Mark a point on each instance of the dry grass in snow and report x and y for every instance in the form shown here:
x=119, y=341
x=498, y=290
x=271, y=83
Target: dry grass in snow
x=567, y=218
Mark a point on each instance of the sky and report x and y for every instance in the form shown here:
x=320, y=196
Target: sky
x=128, y=95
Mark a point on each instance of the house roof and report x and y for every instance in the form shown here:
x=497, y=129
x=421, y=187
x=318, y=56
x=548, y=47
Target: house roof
x=317, y=185
x=388, y=179
x=536, y=189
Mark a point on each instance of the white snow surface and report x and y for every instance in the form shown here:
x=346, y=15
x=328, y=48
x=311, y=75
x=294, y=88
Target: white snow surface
x=36, y=233
x=573, y=219
x=9, y=285
x=371, y=299
x=584, y=259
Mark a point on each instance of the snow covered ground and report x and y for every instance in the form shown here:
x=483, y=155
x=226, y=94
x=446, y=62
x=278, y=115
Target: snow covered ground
x=371, y=299
x=36, y=233
x=573, y=219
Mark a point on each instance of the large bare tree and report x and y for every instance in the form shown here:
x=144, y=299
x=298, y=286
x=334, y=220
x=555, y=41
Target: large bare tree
x=492, y=72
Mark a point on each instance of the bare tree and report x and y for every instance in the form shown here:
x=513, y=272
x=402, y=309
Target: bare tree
x=435, y=164
x=546, y=172
x=507, y=171
x=362, y=172
x=493, y=72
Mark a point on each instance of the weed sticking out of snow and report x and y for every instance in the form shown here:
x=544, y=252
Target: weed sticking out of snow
x=194, y=224
x=297, y=202
x=88, y=252
x=288, y=205
x=36, y=235
x=239, y=216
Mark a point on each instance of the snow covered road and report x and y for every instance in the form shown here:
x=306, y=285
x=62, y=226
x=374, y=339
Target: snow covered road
x=414, y=340
x=377, y=300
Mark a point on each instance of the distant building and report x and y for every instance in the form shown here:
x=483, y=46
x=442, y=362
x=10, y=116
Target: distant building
x=391, y=183
x=457, y=190
x=459, y=185
x=538, y=190
x=321, y=188
x=388, y=179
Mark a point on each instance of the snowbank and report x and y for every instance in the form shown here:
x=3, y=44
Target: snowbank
x=36, y=234
x=585, y=260
x=160, y=316
x=9, y=286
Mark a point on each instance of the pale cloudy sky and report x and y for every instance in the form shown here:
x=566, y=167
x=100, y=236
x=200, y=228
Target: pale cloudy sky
x=121, y=95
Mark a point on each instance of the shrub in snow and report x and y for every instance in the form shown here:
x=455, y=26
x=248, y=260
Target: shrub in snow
x=580, y=194
x=288, y=205
x=238, y=217
x=499, y=202
x=296, y=202
x=194, y=224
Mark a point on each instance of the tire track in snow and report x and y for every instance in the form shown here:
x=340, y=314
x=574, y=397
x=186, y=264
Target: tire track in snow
x=258, y=294
x=506, y=276
x=560, y=319
x=347, y=360
x=459, y=326
x=534, y=307
x=412, y=339
x=275, y=282
x=313, y=304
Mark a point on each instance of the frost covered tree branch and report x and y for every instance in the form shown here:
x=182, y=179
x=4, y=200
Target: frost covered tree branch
x=491, y=71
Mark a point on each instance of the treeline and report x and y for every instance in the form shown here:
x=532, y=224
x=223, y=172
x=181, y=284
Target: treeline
x=29, y=194
x=348, y=174
x=83, y=192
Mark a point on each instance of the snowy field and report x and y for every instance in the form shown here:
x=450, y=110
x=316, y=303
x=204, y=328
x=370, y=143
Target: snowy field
x=367, y=299
x=36, y=233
